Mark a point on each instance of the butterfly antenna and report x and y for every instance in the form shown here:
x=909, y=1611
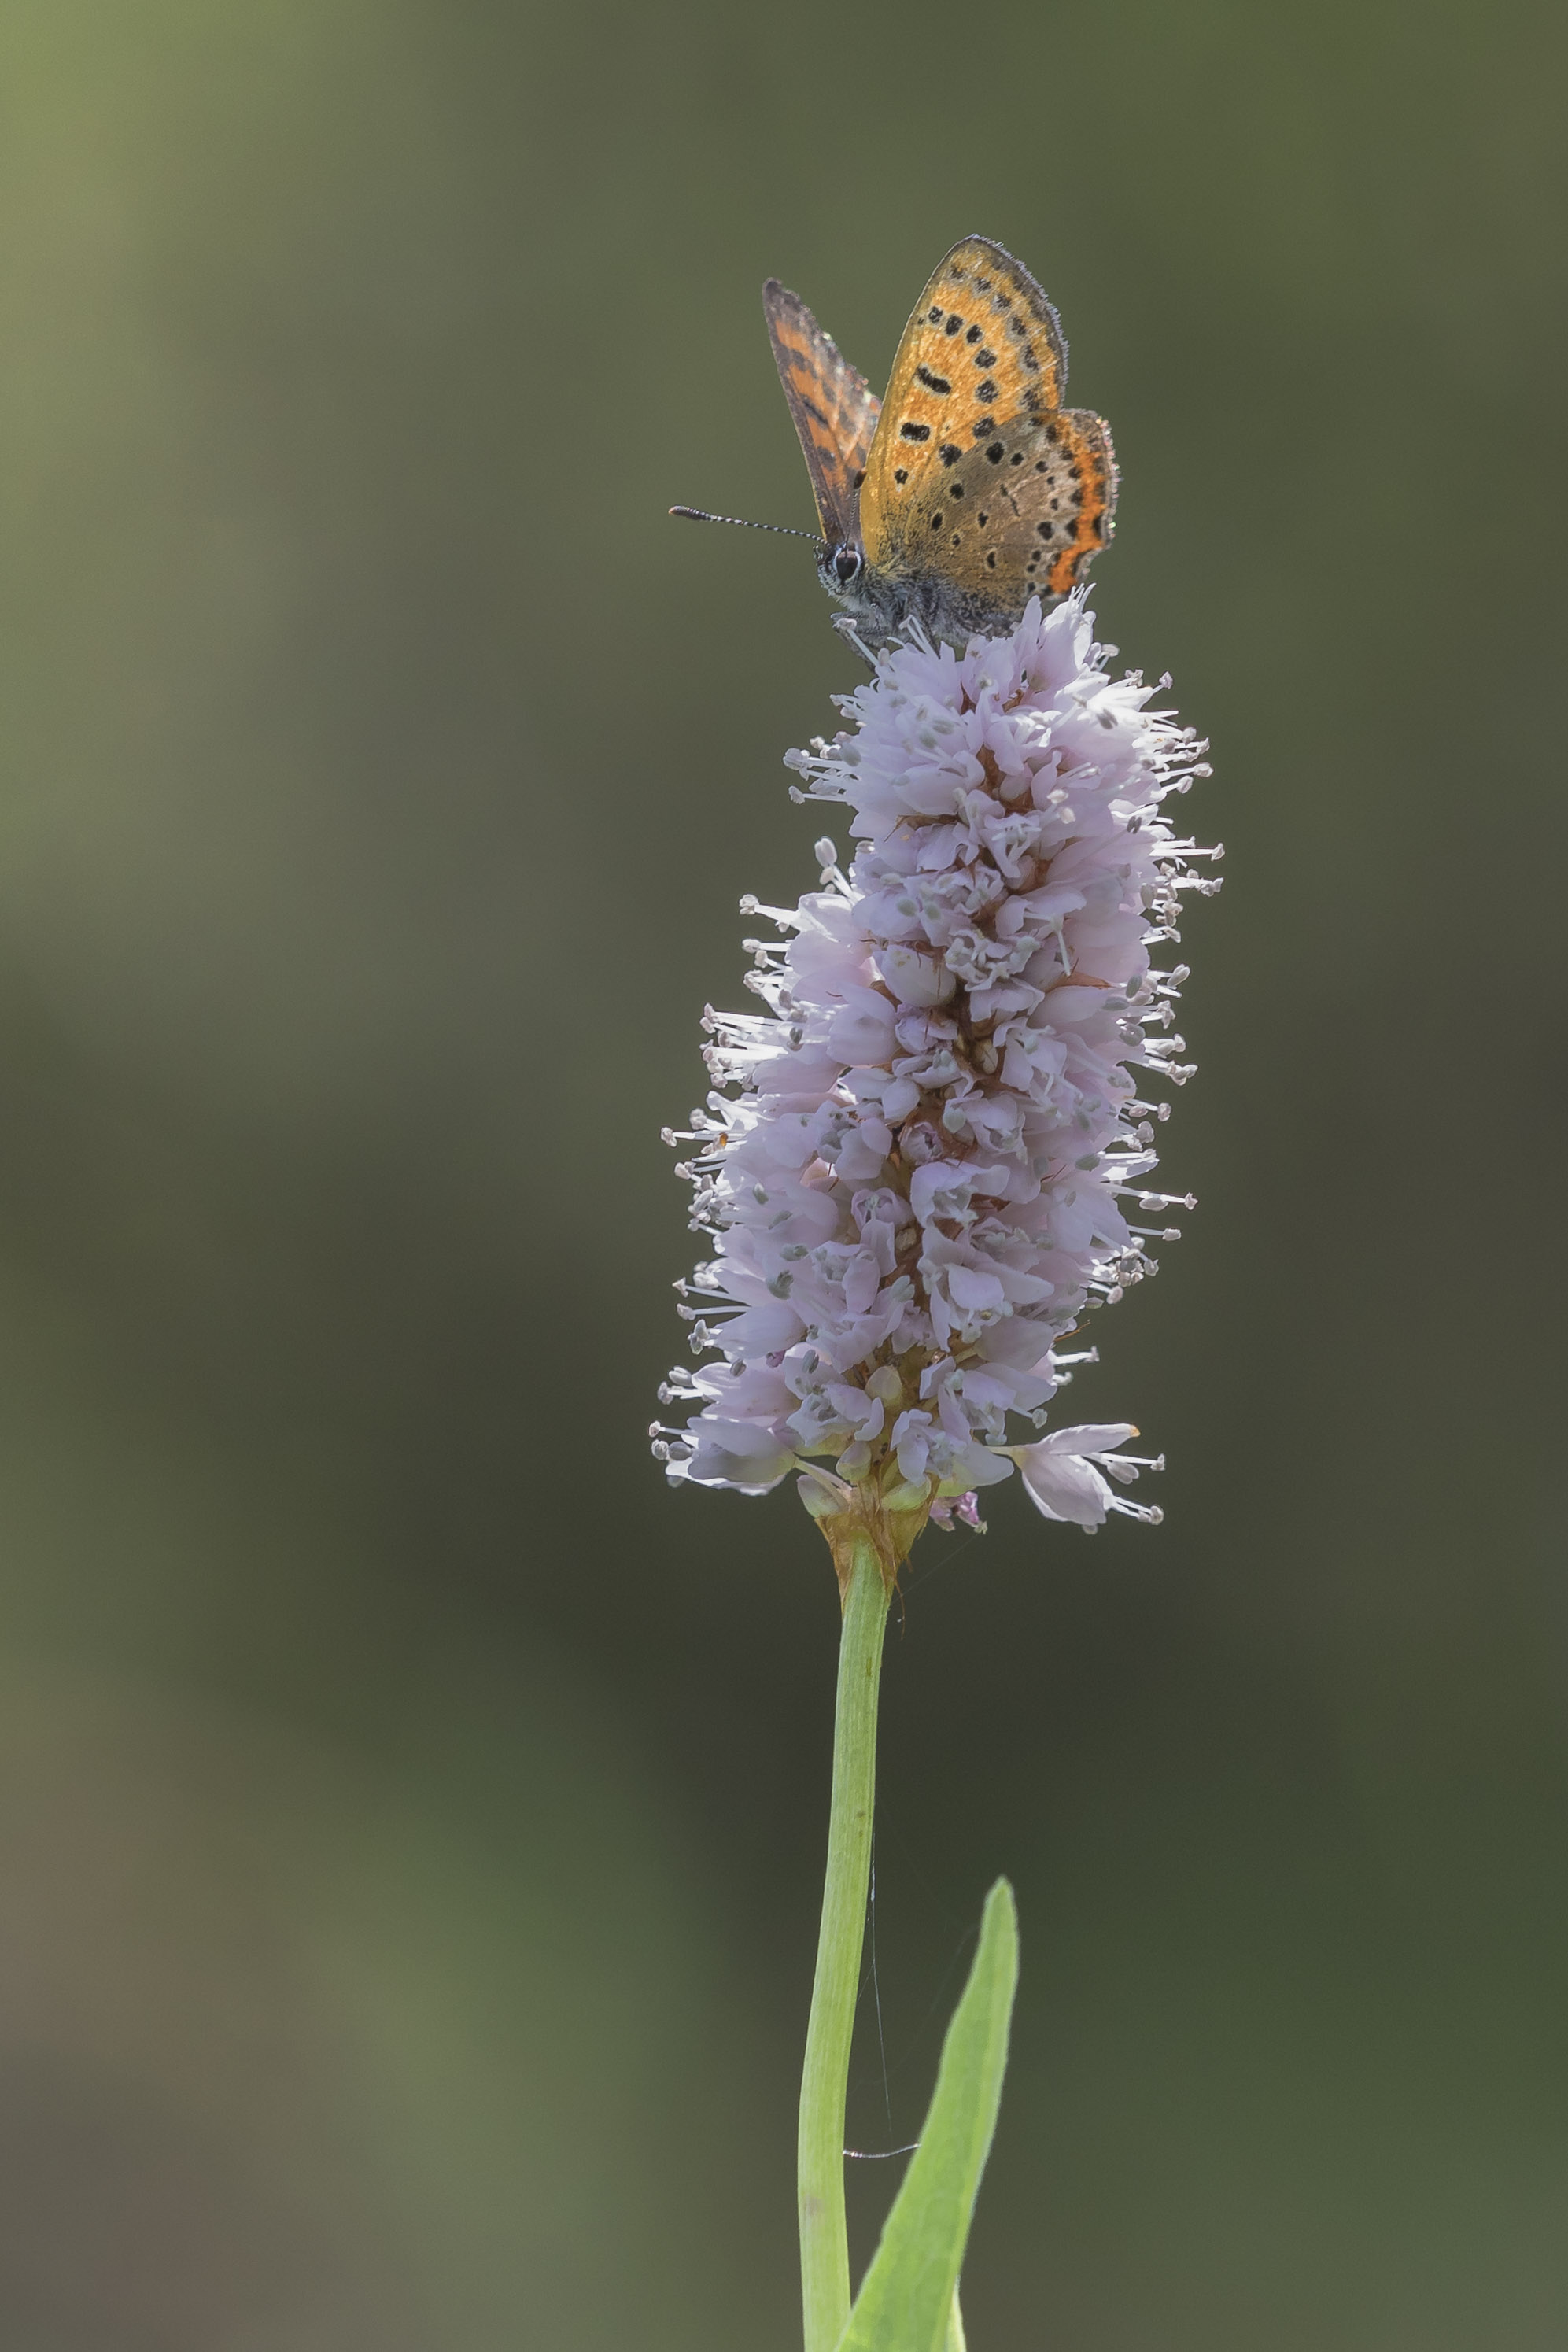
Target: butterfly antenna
x=698, y=514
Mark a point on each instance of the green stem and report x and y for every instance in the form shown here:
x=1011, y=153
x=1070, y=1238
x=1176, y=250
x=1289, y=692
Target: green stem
x=825, y=2238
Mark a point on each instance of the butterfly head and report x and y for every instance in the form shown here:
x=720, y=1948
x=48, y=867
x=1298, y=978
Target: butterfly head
x=879, y=605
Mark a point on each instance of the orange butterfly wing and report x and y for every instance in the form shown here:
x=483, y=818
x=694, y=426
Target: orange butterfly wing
x=977, y=472
x=834, y=409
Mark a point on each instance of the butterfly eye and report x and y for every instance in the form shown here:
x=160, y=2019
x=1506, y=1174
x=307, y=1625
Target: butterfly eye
x=847, y=563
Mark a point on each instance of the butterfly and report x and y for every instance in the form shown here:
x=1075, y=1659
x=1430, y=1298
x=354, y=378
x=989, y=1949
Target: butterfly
x=969, y=488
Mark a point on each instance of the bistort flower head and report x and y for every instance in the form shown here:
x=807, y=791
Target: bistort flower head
x=916, y=1164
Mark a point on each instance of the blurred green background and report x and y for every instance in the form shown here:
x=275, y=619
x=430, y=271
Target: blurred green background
x=411, y=1813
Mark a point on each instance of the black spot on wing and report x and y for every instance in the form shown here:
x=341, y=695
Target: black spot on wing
x=933, y=382
x=909, y=431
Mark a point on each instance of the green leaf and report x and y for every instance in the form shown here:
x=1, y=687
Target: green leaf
x=908, y=2301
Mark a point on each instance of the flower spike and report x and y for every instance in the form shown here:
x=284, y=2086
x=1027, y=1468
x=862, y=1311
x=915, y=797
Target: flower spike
x=914, y=1162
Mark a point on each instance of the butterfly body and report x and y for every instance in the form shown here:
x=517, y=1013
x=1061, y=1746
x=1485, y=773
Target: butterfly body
x=969, y=488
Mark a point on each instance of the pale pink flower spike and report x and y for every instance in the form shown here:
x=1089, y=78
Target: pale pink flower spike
x=916, y=1168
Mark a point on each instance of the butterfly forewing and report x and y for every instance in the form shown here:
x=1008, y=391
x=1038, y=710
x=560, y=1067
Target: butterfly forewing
x=834, y=409
x=983, y=349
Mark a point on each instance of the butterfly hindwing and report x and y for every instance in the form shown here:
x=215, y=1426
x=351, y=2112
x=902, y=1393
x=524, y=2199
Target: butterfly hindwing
x=1015, y=517
x=834, y=409
x=983, y=349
